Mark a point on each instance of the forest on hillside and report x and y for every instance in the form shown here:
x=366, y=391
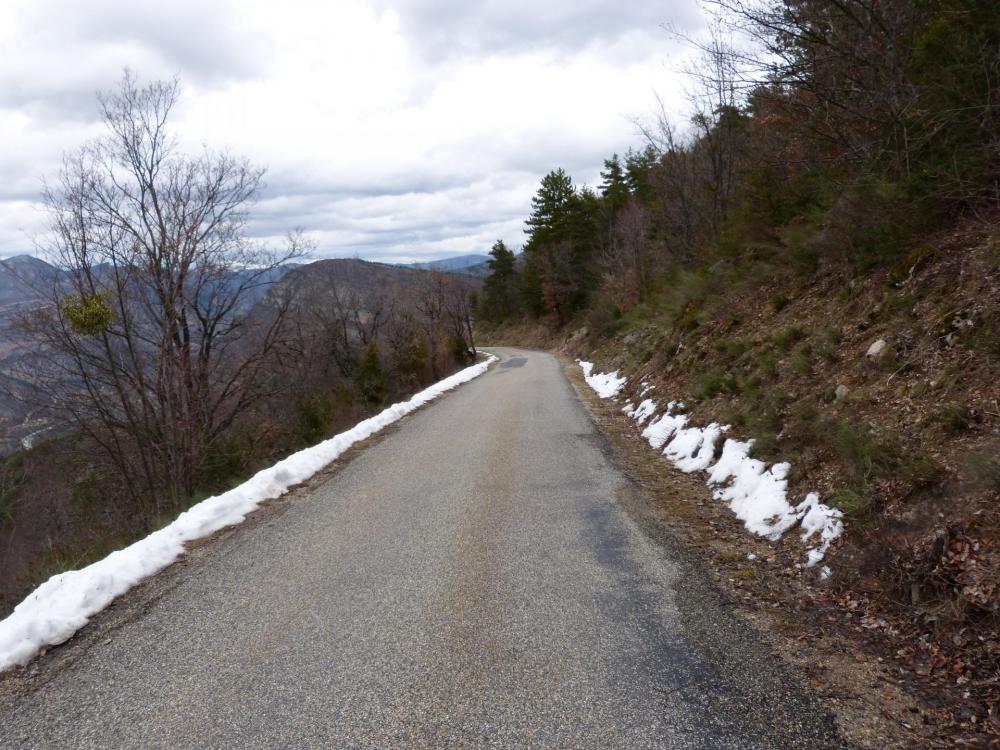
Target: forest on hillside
x=813, y=261
x=169, y=356
x=826, y=135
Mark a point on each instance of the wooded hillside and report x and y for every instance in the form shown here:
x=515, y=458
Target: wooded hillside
x=814, y=260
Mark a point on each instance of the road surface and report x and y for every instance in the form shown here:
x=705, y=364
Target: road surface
x=472, y=580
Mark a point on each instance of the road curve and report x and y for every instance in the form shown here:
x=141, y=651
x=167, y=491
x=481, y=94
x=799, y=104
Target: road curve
x=472, y=580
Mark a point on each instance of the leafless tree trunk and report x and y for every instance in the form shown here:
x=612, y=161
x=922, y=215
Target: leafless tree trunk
x=350, y=323
x=152, y=349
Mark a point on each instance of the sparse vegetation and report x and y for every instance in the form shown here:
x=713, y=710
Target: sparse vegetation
x=715, y=381
x=787, y=337
x=950, y=418
x=802, y=361
x=854, y=504
x=179, y=356
x=11, y=478
x=983, y=471
x=869, y=456
x=795, y=223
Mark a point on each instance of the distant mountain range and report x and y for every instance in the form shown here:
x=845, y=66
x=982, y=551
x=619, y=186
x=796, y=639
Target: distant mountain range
x=460, y=263
x=26, y=281
x=475, y=265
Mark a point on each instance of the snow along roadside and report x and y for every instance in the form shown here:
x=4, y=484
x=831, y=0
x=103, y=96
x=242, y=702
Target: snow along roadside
x=756, y=493
x=54, y=611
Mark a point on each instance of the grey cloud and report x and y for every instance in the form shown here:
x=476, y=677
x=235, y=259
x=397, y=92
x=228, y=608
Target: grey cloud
x=447, y=28
x=454, y=193
x=65, y=52
x=412, y=225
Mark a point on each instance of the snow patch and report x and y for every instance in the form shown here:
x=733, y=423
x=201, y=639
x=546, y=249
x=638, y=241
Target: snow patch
x=693, y=449
x=822, y=519
x=663, y=427
x=756, y=493
x=62, y=605
x=644, y=411
x=605, y=384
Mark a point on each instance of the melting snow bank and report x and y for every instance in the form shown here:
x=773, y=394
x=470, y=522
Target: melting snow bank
x=756, y=493
x=63, y=604
x=607, y=384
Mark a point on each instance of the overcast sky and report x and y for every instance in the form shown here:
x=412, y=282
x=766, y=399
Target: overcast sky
x=391, y=130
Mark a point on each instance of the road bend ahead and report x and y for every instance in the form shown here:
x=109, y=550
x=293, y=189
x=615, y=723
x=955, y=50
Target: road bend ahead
x=473, y=580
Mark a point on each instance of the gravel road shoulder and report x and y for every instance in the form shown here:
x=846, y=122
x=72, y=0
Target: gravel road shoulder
x=872, y=708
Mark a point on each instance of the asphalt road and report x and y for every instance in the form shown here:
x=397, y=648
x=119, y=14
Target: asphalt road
x=472, y=580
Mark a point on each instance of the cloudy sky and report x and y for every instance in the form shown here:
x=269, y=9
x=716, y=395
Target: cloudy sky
x=392, y=130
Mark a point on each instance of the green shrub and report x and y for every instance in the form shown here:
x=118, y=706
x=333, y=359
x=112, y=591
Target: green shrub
x=917, y=258
x=87, y=315
x=788, y=337
x=458, y=348
x=715, y=381
x=919, y=470
x=805, y=425
x=952, y=418
x=11, y=478
x=778, y=301
x=602, y=318
x=874, y=245
x=689, y=318
x=735, y=417
x=226, y=462
x=827, y=342
x=854, y=505
x=86, y=491
x=731, y=348
x=684, y=297
x=983, y=470
x=370, y=378
x=872, y=457
x=767, y=362
x=802, y=361
x=752, y=390
x=868, y=456
x=983, y=337
x=764, y=425
x=412, y=362
x=313, y=415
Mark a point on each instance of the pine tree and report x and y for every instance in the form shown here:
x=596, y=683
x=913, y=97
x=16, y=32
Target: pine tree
x=499, y=296
x=563, y=229
x=638, y=166
x=614, y=188
x=550, y=208
x=370, y=378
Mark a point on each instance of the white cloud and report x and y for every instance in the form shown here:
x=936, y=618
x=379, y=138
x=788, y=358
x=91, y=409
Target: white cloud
x=393, y=130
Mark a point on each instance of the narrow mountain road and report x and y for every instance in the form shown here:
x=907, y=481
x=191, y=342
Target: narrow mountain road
x=472, y=580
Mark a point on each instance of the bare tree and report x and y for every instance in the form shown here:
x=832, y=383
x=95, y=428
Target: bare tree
x=152, y=348
x=627, y=261
x=700, y=169
x=430, y=306
x=846, y=62
x=458, y=310
x=351, y=323
x=444, y=315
